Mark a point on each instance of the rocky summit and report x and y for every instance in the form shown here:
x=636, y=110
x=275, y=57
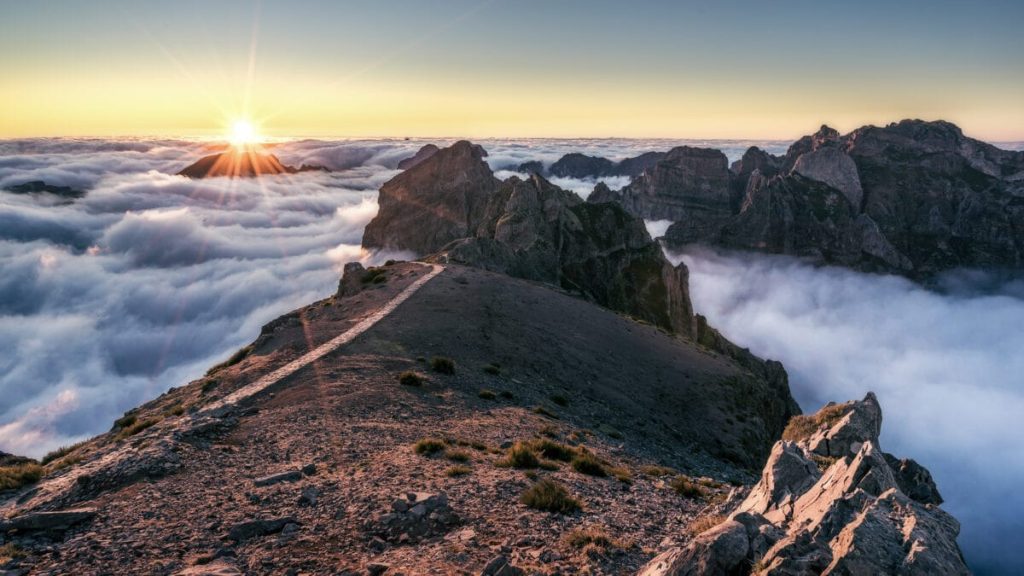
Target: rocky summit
x=913, y=198
x=451, y=208
x=242, y=162
x=829, y=502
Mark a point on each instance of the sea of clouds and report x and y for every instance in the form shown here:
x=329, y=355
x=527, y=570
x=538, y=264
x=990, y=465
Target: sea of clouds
x=109, y=300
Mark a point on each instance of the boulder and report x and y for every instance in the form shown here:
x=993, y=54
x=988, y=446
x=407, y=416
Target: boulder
x=270, y=480
x=260, y=527
x=413, y=517
x=55, y=521
x=835, y=168
x=351, y=279
x=829, y=502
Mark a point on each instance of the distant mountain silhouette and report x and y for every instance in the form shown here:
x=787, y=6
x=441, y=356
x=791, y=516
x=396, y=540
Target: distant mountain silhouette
x=247, y=162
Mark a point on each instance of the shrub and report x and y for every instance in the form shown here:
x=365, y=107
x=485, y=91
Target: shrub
x=458, y=470
x=610, y=431
x=374, y=276
x=520, y=456
x=549, y=431
x=235, y=358
x=704, y=523
x=429, y=446
x=559, y=399
x=622, y=474
x=442, y=365
x=492, y=369
x=176, y=410
x=802, y=427
x=823, y=462
x=487, y=394
x=137, y=427
x=550, y=496
x=456, y=455
x=591, y=536
x=554, y=450
x=60, y=453
x=656, y=471
x=18, y=475
x=544, y=412
x=586, y=463
x=10, y=551
x=125, y=421
x=410, y=378
x=208, y=386
x=684, y=486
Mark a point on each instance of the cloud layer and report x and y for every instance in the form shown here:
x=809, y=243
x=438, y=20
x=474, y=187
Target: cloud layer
x=108, y=301
x=946, y=367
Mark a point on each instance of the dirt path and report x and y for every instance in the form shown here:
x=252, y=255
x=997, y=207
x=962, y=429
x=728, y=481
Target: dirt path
x=308, y=358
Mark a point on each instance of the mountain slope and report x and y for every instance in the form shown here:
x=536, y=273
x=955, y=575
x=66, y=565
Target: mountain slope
x=343, y=432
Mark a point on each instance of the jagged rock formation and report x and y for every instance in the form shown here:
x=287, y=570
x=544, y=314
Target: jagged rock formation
x=422, y=154
x=433, y=203
x=829, y=502
x=451, y=205
x=242, y=162
x=913, y=198
x=40, y=187
x=576, y=165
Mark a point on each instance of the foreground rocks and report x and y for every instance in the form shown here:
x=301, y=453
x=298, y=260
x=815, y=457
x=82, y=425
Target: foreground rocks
x=829, y=502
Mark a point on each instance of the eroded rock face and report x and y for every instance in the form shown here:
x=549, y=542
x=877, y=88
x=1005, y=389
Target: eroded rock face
x=829, y=502
x=913, y=198
x=435, y=202
x=451, y=206
x=690, y=184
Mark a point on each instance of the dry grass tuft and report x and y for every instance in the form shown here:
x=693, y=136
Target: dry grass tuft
x=550, y=496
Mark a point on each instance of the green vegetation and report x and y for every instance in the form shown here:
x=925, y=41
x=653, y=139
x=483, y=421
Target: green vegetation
x=610, y=431
x=442, y=365
x=559, y=399
x=506, y=395
x=456, y=455
x=429, y=446
x=622, y=474
x=553, y=450
x=458, y=470
x=136, y=427
x=487, y=394
x=704, y=523
x=656, y=471
x=594, y=537
x=520, y=456
x=586, y=463
x=374, y=276
x=60, y=453
x=208, y=386
x=125, y=421
x=685, y=486
x=493, y=369
x=410, y=378
x=802, y=427
x=544, y=412
x=18, y=475
x=235, y=358
x=550, y=496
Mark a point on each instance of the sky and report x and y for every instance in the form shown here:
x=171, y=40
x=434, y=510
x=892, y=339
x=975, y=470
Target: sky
x=498, y=68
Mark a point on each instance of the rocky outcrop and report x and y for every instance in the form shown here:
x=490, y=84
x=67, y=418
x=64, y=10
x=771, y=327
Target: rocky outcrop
x=577, y=165
x=691, y=184
x=452, y=206
x=913, y=198
x=433, y=203
x=40, y=187
x=242, y=162
x=422, y=154
x=829, y=502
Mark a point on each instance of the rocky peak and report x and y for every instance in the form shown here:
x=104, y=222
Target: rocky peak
x=576, y=165
x=242, y=162
x=439, y=200
x=422, y=154
x=829, y=502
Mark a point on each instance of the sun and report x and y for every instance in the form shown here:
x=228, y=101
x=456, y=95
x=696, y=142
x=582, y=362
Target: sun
x=243, y=133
